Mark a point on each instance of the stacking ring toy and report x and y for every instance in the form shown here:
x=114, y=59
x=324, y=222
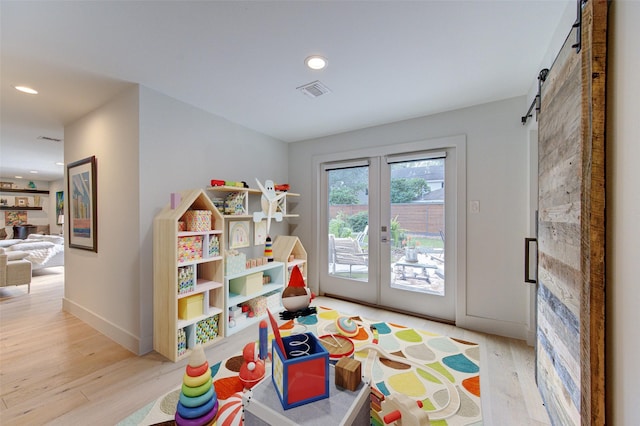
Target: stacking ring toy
x=197, y=401
x=196, y=412
x=197, y=391
x=194, y=382
x=197, y=371
x=204, y=420
x=346, y=326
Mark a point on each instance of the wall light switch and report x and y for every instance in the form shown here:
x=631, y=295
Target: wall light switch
x=474, y=206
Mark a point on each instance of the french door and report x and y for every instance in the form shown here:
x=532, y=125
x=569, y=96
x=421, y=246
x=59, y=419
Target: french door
x=388, y=230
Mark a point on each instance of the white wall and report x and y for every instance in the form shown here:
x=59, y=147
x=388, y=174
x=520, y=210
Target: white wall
x=182, y=147
x=623, y=214
x=497, y=176
x=102, y=288
x=148, y=145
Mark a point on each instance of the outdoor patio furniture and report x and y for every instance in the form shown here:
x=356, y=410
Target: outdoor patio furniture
x=346, y=251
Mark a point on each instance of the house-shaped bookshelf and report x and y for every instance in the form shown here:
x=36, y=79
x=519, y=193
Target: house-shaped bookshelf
x=188, y=275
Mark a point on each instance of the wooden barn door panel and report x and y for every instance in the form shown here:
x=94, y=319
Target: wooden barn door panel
x=570, y=329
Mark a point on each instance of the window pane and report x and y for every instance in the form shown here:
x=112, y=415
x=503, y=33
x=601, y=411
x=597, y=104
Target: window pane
x=348, y=225
x=417, y=226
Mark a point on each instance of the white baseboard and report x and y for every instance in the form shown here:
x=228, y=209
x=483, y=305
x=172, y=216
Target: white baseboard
x=112, y=331
x=487, y=325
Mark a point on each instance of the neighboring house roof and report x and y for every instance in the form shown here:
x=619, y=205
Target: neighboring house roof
x=427, y=173
x=437, y=195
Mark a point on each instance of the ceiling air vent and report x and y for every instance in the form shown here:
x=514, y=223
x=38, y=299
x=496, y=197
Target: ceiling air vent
x=47, y=138
x=314, y=89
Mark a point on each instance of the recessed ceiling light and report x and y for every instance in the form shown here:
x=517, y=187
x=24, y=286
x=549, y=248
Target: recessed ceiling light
x=26, y=89
x=35, y=172
x=316, y=62
x=18, y=177
x=59, y=164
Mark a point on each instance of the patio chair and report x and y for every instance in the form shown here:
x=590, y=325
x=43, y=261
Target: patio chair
x=346, y=251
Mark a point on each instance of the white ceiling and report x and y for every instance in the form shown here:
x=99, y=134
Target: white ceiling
x=388, y=61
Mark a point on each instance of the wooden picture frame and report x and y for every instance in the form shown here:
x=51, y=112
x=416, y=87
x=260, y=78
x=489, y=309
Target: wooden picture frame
x=239, y=234
x=259, y=233
x=22, y=201
x=82, y=188
x=59, y=206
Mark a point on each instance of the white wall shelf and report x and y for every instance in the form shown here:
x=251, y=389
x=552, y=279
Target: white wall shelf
x=275, y=270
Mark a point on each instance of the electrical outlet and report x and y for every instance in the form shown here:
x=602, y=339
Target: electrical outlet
x=474, y=206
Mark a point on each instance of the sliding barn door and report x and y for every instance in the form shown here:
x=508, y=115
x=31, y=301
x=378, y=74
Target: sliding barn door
x=570, y=329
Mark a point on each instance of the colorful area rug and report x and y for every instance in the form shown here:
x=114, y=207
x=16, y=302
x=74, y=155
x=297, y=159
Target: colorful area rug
x=442, y=372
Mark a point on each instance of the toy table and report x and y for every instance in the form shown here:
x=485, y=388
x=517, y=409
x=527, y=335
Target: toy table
x=343, y=407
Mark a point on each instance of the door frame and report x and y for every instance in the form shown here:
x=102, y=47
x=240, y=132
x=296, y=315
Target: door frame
x=457, y=142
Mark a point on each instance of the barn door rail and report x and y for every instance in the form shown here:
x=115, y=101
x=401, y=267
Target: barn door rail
x=578, y=25
x=542, y=76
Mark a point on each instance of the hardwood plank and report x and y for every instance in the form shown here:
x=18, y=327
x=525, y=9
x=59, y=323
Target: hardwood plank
x=594, y=77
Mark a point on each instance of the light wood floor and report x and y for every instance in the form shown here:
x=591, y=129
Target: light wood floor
x=55, y=369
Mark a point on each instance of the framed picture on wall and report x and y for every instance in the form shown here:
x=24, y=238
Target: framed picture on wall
x=83, y=204
x=59, y=206
x=239, y=234
x=259, y=233
x=22, y=201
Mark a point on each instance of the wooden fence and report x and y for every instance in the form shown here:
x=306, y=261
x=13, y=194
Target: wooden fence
x=426, y=219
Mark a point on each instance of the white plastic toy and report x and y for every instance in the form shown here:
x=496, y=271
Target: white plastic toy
x=269, y=203
x=400, y=410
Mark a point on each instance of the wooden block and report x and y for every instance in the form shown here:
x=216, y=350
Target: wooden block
x=348, y=373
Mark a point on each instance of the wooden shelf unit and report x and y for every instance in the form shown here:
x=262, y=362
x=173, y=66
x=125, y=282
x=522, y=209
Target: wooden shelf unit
x=277, y=273
x=208, y=272
x=246, y=214
x=22, y=191
x=25, y=190
x=285, y=246
x=19, y=208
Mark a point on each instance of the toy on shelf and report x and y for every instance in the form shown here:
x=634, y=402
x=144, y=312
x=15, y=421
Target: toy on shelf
x=400, y=410
x=252, y=369
x=268, y=249
x=198, y=403
x=296, y=297
x=281, y=187
x=269, y=204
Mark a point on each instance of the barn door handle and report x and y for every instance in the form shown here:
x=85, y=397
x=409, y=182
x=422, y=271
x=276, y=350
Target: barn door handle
x=527, y=259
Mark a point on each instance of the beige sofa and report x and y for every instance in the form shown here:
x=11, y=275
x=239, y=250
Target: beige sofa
x=15, y=269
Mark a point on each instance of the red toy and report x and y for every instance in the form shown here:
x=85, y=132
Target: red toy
x=217, y=182
x=252, y=369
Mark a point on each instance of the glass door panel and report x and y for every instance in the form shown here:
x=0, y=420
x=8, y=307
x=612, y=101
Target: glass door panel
x=416, y=198
x=346, y=200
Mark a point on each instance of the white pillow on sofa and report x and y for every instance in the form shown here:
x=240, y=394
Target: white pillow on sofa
x=30, y=245
x=55, y=239
x=16, y=255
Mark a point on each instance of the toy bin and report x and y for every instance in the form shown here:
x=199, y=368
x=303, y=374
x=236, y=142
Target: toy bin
x=189, y=248
x=186, y=279
x=257, y=305
x=246, y=284
x=198, y=220
x=303, y=376
x=190, y=307
x=235, y=264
